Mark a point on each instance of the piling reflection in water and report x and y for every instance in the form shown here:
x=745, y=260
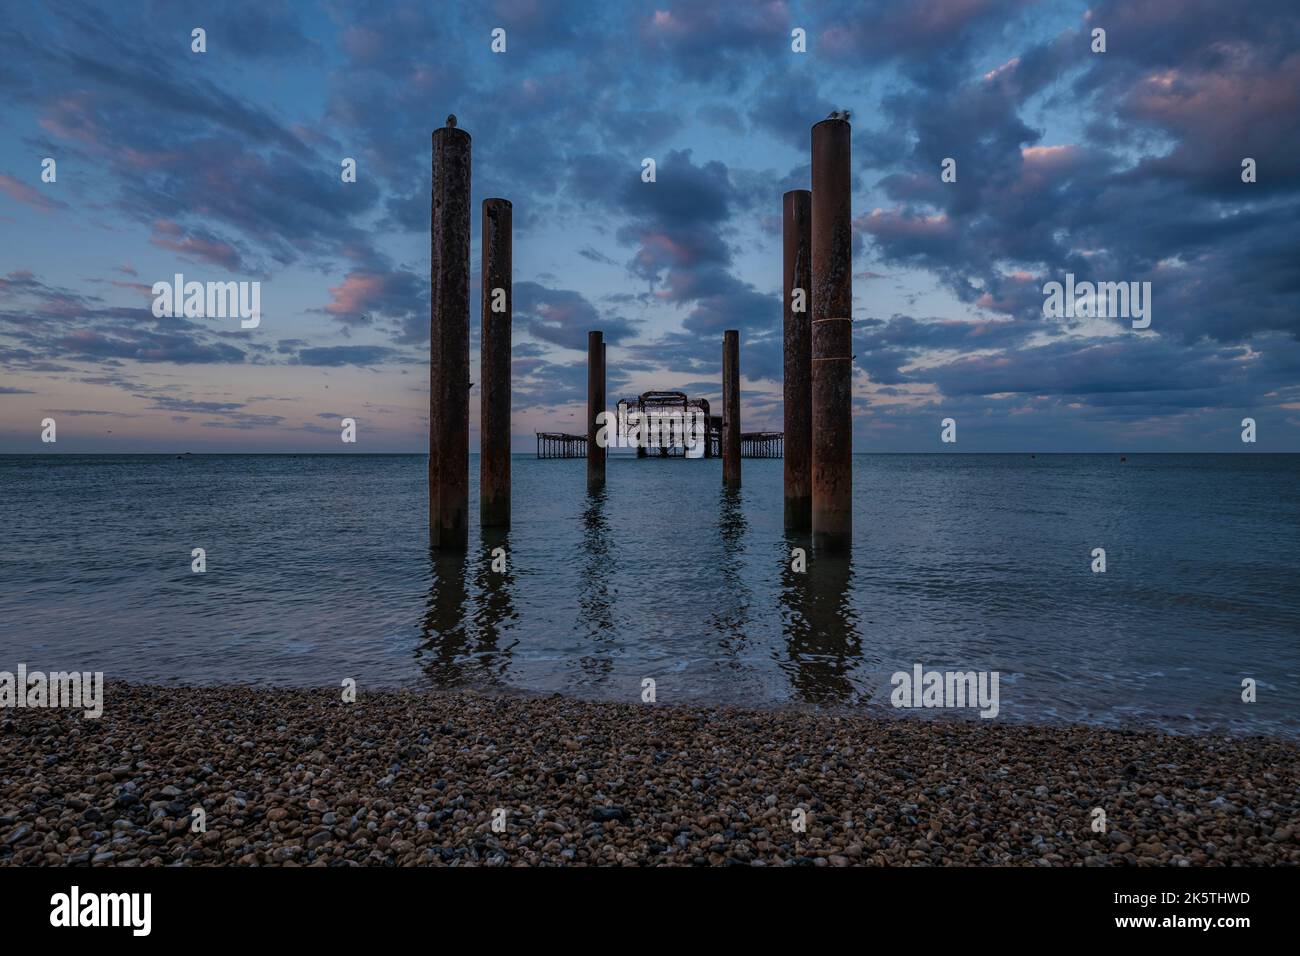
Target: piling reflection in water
x=462, y=633
x=823, y=645
x=334, y=582
x=730, y=613
x=595, y=601
x=496, y=605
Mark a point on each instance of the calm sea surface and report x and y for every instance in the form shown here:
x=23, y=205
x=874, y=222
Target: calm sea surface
x=318, y=569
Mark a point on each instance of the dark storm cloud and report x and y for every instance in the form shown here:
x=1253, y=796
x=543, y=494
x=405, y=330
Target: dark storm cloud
x=595, y=255
x=1216, y=94
x=713, y=40
x=560, y=83
x=57, y=323
x=541, y=384
x=255, y=29
x=180, y=148
x=677, y=227
x=920, y=29
x=788, y=111
x=930, y=40
x=1089, y=370
x=1153, y=376
x=564, y=317
x=883, y=347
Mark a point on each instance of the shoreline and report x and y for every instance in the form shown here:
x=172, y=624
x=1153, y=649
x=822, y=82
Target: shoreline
x=1172, y=725
x=294, y=776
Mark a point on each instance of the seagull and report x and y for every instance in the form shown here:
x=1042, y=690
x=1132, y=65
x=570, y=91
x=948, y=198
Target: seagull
x=451, y=120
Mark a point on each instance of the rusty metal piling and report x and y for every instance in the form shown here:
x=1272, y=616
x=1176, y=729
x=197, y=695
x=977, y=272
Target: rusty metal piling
x=731, y=408
x=796, y=223
x=449, y=341
x=595, y=405
x=494, y=358
x=832, y=333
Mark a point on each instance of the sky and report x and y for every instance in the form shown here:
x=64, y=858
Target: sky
x=225, y=165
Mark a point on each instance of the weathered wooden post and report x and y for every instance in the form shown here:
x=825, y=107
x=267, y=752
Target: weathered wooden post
x=731, y=408
x=595, y=405
x=449, y=340
x=494, y=358
x=832, y=334
x=796, y=223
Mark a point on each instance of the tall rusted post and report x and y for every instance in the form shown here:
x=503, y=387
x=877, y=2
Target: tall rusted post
x=449, y=341
x=796, y=225
x=832, y=334
x=494, y=372
x=595, y=405
x=731, y=408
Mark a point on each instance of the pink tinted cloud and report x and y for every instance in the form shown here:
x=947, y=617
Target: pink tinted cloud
x=1042, y=168
x=357, y=293
x=1223, y=109
x=24, y=193
x=72, y=116
x=897, y=224
x=658, y=249
x=169, y=235
x=363, y=291
x=905, y=26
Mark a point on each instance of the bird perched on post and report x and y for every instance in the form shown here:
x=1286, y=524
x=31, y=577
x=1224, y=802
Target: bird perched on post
x=840, y=115
x=451, y=121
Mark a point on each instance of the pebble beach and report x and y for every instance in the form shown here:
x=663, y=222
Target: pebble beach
x=299, y=778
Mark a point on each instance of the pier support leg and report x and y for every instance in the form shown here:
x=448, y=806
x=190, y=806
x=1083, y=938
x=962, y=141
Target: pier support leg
x=832, y=333
x=449, y=342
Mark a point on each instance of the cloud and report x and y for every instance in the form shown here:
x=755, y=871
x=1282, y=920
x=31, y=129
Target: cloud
x=89, y=412
x=195, y=244
x=25, y=193
x=50, y=322
x=336, y=355
x=564, y=317
x=1123, y=166
x=395, y=294
x=708, y=40
x=931, y=39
